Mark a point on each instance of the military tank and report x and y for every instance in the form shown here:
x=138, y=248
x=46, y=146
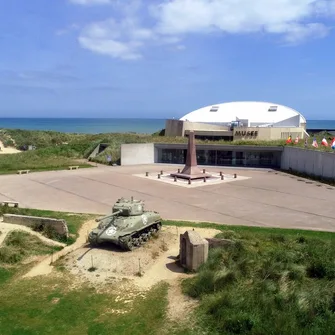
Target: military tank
x=129, y=226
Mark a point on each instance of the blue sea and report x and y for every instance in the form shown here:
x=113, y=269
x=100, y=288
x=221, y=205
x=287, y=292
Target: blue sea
x=96, y=126
x=86, y=126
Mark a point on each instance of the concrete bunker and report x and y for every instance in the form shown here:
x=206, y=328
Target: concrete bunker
x=193, y=250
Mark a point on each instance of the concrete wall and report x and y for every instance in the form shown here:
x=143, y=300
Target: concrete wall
x=180, y=128
x=268, y=133
x=137, y=154
x=174, y=128
x=99, y=148
x=311, y=162
x=148, y=153
x=59, y=226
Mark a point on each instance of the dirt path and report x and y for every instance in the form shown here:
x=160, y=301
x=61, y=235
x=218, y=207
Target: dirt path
x=141, y=268
x=6, y=228
x=45, y=267
x=8, y=150
x=144, y=267
x=179, y=303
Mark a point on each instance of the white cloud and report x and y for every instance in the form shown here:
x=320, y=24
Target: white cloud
x=299, y=33
x=171, y=20
x=241, y=16
x=120, y=39
x=90, y=2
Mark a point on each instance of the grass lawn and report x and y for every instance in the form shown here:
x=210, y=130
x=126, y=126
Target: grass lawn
x=48, y=307
x=270, y=281
x=16, y=248
x=39, y=160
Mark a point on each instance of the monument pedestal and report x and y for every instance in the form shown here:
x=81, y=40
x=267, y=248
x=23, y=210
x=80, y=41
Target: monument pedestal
x=191, y=169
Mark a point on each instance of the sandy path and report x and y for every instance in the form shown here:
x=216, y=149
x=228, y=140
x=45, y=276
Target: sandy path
x=165, y=267
x=6, y=228
x=44, y=267
x=7, y=150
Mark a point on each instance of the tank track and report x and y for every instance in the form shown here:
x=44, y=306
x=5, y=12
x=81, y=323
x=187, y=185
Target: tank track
x=137, y=239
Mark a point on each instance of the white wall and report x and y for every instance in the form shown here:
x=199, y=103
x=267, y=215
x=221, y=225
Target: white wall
x=312, y=162
x=137, y=154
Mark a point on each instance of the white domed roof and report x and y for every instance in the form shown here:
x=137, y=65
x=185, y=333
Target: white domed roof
x=257, y=114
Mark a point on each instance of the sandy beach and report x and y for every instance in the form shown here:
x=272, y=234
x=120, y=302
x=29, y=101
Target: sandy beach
x=8, y=150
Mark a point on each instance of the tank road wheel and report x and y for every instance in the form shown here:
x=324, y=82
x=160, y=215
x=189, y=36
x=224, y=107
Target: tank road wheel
x=159, y=226
x=145, y=237
x=140, y=240
x=127, y=243
x=153, y=231
x=136, y=242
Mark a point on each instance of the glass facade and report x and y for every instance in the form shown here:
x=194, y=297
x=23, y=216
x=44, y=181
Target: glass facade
x=222, y=157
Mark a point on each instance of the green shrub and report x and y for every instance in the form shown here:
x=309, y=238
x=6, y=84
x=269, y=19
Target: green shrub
x=10, y=255
x=239, y=324
x=267, y=283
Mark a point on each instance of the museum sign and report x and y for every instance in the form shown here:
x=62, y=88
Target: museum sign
x=246, y=133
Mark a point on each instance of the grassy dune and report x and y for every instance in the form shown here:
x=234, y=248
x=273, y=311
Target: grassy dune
x=57, y=150
x=36, y=161
x=270, y=281
x=16, y=248
x=267, y=283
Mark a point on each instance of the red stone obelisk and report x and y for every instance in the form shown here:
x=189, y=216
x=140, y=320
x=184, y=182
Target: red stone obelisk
x=191, y=169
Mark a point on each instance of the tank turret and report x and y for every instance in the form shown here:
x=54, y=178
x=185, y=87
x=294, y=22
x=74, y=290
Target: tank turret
x=128, y=226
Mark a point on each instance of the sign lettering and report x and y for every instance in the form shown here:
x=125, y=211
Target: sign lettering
x=246, y=133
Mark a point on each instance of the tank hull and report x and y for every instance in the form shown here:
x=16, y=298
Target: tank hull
x=127, y=232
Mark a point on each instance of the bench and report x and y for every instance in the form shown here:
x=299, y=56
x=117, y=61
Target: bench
x=6, y=203
x=76, y=167
x=23, y=171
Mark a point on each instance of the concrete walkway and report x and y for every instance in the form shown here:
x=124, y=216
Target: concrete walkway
x=267, y=199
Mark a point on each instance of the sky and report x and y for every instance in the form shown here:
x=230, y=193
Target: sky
x=164, y=58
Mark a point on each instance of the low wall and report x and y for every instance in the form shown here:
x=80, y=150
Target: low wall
x=311, y=162
x=59, y=226
x=137, y=154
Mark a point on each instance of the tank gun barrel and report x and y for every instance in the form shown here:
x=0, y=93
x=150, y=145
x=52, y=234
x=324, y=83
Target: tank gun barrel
x=108, y=216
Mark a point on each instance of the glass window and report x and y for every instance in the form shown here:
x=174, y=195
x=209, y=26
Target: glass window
x=224, y=157
x=174, y=156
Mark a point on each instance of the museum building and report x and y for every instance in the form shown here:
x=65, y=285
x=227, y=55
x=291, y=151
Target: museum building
x=243, y=120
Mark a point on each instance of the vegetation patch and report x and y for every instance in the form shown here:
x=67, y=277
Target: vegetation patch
x=74, y=221
x=269, y=280
x=48, y=306
x=38, y=160
x=277, y=281
x=16, y=248
x=56, y=150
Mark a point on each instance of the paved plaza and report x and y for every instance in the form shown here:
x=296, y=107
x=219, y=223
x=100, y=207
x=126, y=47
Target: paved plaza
x=258, y=198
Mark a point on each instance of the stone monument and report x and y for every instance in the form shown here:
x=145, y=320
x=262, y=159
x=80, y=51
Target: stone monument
x=193, y=250
x=191, y=169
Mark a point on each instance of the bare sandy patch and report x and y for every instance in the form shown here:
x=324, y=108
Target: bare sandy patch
x=179, y=303
x=46, y=265
x=144, y=267
x=134, y=272
x=8, y=150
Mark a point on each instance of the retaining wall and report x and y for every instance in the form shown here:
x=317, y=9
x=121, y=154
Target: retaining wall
x=137, y=154
x=311, y=162
x=59, y=226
